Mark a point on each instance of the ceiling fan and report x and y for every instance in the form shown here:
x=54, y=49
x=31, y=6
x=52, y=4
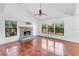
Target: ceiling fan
x=40, y=13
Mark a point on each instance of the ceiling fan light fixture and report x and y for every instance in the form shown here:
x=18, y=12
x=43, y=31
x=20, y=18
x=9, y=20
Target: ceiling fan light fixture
x=40, y=12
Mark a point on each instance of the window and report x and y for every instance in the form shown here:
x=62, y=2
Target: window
x=44, y=28
x=59, y=29
x=51, y=29
x=10, y=28
x=56, y=29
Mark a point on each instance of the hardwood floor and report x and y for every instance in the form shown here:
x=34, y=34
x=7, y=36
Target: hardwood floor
x=40, y=46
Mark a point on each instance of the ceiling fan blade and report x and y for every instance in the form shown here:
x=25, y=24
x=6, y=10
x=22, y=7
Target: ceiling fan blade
x=44, y=14
x=38, y=14
x=35, y=14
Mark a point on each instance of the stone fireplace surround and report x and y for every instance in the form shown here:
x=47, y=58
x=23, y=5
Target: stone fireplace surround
x=26, y=32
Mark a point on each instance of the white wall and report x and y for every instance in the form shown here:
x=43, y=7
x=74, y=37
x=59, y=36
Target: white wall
x=15, y=13
x=71, y=28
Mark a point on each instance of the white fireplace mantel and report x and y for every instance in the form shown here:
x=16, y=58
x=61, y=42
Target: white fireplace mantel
x=24, y=25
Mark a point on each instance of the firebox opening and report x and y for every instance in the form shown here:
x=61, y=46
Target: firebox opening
x=27, y=33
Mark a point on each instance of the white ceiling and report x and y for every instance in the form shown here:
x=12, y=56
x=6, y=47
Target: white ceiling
x=53, y=10
x=2, y=7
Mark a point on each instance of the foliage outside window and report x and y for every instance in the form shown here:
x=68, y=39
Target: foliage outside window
x=10, y=28
x=44, y=28
x=51, y=29
x=59, y=29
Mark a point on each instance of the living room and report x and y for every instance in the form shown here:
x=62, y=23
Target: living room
x=45, y=23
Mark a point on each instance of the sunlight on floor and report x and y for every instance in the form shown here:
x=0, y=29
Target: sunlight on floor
x=44, y=43
x=12, y=51
x=58, y=49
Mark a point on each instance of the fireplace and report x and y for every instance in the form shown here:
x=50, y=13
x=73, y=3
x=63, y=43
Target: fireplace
x=27, y=33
